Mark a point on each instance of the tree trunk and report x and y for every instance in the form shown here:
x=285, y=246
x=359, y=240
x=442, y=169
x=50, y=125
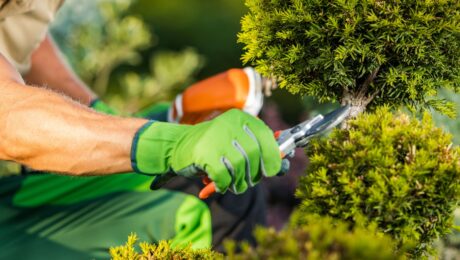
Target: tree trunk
x=360, y=99
x=357, y=104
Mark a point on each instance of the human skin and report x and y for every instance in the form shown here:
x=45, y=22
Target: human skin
x=51, y=132
x=50, y=69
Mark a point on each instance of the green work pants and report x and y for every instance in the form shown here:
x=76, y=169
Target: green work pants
x=60, y=217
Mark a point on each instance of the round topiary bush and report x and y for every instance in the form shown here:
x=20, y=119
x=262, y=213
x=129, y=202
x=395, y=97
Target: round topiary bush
x=357, y=52
x=392, y=171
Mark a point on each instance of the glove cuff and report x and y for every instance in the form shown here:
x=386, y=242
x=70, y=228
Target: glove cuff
x=102, y=107
x=152, y=147
x=158, y=112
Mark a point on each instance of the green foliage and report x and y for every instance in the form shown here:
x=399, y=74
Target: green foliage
x=397, y=173
x=318, y=238
x=162, y=250
x=170, y=73
x=9, y=168
x=105, y=38
x=99, y=45
x=449, y=248
x=209, y=26
x=358, y=52
x=451, y=125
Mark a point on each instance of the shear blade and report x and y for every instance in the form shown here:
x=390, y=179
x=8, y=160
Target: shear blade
x=329, y=121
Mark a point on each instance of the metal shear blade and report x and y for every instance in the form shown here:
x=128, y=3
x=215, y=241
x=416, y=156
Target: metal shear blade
x=328, y=122
x=300, y=135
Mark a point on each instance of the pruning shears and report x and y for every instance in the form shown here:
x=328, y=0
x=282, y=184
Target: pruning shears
x=299, y=135
x=288, y=140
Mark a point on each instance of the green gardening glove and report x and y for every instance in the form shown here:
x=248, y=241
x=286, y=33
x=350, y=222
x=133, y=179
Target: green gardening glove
x=102, y=107
x=158, y=111
x=235, y=150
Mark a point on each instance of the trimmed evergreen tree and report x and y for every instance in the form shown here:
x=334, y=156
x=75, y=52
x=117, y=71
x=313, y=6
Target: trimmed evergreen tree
x=366, y=52
x=389, y=171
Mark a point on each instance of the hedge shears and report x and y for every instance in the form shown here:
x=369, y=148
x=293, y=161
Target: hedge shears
x=288, y=140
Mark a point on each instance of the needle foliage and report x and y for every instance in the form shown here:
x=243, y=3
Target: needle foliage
x=318, y=238
x=358, y=52
x=392, y=171
x=161, y=251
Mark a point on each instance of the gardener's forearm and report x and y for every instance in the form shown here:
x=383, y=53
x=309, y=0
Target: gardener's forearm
x=45, y=131
x=51, y=70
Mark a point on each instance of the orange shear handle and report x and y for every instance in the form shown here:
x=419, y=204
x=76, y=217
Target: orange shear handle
x=210, y=187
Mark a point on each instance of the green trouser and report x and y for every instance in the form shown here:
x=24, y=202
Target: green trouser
x=59, y=217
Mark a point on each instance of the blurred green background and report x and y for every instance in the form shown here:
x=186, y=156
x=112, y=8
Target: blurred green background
x=137, y=52
x=209, y=28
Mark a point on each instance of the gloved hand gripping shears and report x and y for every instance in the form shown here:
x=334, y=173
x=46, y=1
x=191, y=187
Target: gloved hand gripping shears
x=288, y=140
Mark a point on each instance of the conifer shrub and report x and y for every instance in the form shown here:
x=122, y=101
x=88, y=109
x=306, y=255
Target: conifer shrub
x=357, y=52
x=391, y=171
x=317, y=239
x=161, y=251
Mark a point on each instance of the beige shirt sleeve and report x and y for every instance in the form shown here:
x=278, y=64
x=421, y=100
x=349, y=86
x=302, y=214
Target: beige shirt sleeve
x=23, y=25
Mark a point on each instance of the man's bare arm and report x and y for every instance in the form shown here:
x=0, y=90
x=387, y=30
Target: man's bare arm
x=46, y=131
x=50, y=69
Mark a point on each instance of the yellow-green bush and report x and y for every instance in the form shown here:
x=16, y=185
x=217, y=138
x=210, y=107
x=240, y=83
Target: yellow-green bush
x=160, y=251
x=318, y=238
x=392, y=171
